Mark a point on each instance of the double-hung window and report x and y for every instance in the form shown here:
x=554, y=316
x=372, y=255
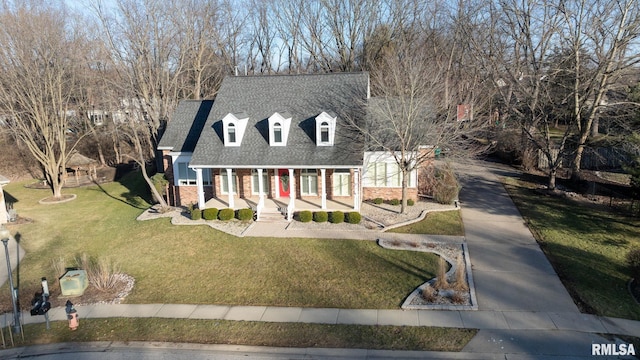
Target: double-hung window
x=224, y=182
x=187, y=176
x=309, y=182
x=255, y=182
x=341, y=182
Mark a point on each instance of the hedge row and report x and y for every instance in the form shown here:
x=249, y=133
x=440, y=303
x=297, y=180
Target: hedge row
x=222, y=214
x=334, y=217
x=394, y=202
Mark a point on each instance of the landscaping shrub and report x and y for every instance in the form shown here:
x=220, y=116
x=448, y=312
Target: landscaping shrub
x=244, y=214
x=441, y=274
x=196, y=214
x=410, y=202
x=320, y=216
x=226, y=214
x=394, y=202
x=336, y=217
x=210, y=214
x=446, y=186
x=102, y=273
x=633, y=261
x=305, y=216
x=353, y=217
x=378, y=201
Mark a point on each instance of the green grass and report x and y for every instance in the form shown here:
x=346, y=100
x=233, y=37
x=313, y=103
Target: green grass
x=200, y=265
x=587, y=246
x=253, y=333
x=435, y=223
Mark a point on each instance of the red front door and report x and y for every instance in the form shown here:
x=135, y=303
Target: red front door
x=283, y=182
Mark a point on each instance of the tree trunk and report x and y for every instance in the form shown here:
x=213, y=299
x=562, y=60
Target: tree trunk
x=403, y=203
x=552, y=178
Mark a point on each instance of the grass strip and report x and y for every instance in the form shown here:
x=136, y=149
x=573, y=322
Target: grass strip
x=253, y=333
x=587, y=245
x=435, y=223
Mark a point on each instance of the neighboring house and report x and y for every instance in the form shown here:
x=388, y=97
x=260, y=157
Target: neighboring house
x=280, y=143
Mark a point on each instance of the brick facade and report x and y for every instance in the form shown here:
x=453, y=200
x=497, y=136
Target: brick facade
x=388, y=193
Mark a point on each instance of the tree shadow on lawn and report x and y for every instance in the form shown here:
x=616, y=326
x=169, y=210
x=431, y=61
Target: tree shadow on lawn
x=549, y=212
x=596, y=284
x=138, y=195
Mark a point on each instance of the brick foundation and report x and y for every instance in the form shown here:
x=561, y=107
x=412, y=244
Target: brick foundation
x=370, y=193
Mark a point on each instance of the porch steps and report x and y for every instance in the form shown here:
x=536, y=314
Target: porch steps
x=271, y=215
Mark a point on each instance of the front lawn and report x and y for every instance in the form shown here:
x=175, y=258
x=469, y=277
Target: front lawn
x=435, y=223
x=587, y=245
x=200, y=265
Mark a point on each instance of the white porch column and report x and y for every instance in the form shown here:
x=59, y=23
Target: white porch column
x=356, y=189
x=292, y=195
x=260, y=195
x=276, y=179
x=260, y=185
x=230, y=187
x=323, y=181
x=200, y=186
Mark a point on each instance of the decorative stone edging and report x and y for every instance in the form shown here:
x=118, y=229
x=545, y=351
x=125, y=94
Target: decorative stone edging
x=44, y=201
x=446, y=251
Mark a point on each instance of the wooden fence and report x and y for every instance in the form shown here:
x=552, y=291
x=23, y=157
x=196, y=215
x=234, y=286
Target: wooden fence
x=592, y=158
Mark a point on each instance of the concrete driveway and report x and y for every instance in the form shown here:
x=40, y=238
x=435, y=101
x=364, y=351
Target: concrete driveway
x=509, y=269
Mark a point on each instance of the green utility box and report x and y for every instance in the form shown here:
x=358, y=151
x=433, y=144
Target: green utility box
x=74, y=283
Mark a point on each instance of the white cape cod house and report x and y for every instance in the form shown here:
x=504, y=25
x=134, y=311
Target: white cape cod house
x=277, y=144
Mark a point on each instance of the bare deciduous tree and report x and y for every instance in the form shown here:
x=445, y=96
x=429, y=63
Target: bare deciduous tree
x=609, y=33
x=407, y=116
x=40, y=65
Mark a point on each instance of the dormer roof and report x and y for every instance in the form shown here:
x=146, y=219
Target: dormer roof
x=279, y=126
x=234, y=126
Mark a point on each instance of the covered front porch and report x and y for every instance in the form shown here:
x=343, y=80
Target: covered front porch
x=282, y=191
x=280, y=206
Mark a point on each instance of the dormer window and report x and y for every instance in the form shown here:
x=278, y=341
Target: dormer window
x=325, y=129
x=279, y=125
x=277, y=133
x=324, y=132
x=233, y=127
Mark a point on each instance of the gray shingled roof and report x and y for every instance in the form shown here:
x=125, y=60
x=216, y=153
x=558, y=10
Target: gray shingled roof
x=186, y=125
x=304, y=97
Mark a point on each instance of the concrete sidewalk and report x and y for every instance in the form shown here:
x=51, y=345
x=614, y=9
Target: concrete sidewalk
x=482, y=319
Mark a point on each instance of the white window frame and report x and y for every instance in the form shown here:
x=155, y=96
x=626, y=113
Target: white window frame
x=237, y=122
x=188, y=181
x=225, y=184
x=339, y=183
x=383, y=171
x=255, y=183
x=325, y=121
x=277, y=132
x=306, y=176
x=282, y=122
